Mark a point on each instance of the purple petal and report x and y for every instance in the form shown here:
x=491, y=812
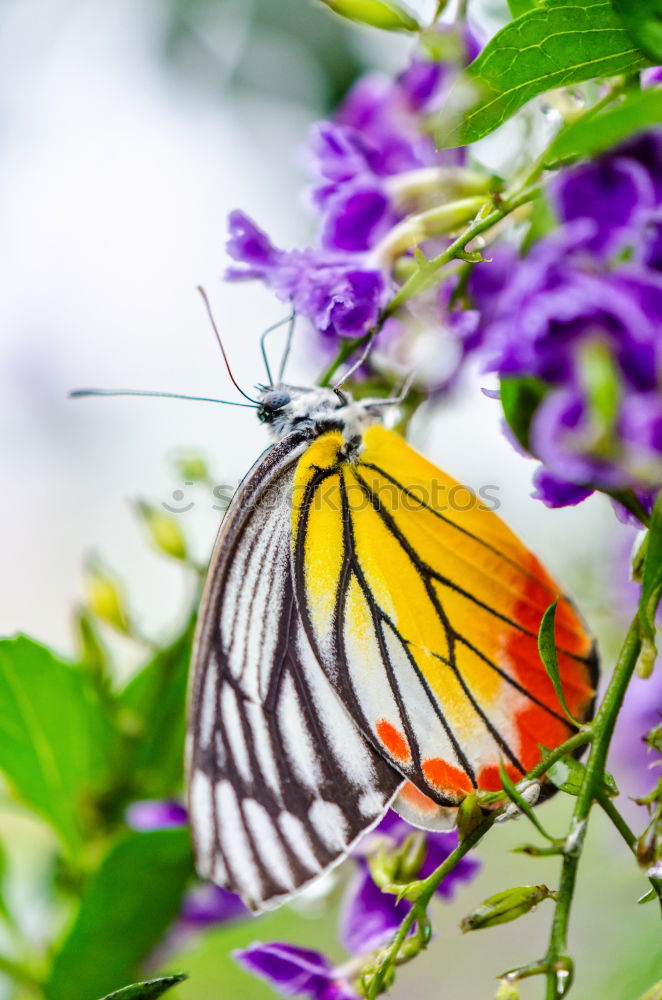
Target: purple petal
x=555, y=492
x=155, y=814
x=207, y=905
x=295, y=972
x=355, y=219
x=370, y=917
x=616, y=192
x=250, y=245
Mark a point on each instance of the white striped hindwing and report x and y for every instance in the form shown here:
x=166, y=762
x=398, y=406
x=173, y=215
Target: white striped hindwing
x=281, y=781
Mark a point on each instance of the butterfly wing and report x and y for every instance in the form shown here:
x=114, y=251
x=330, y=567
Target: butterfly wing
x=281, y=781
x=425, y=616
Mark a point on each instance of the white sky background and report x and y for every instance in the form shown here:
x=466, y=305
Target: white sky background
x=116, y=177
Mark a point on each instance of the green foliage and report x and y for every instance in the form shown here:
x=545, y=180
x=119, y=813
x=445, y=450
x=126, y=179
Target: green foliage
x=55, y=738
x=520, y=398
x=547, y=650
x=643, y=21
x=568, y=775
x=640, y=109
x=128, y=904
x=149, y=990
x=519, y=7
x=376, y=13
x=561, y=43
x=152, y=709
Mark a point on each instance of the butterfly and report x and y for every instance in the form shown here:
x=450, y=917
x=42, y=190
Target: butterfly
x=362, y=644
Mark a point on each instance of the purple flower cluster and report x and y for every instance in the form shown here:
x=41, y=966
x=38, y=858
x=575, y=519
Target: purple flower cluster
x=369, y=916
x=370, y=165
x=582, y=312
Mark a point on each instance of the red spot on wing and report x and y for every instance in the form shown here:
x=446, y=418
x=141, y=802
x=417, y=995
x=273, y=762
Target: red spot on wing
x=444, y=777
x=394, y=741
x=534, y=724
x=538, y=728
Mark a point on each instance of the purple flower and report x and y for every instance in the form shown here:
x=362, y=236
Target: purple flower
x=208, y=905
x=380, y=131
x=635, y=764
x=295, y=972
x=156, y=814
x=341, y=297
x=567, y=318
x=616, y=192
x=370, y=916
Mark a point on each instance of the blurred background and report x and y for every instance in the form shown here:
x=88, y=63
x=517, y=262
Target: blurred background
x=128, y=131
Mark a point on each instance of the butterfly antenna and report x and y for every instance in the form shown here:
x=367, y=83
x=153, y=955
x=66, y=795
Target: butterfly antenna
x=80, y=393
x=220, y=344
x=263, y=337
x=357, y=364
x=288, y=346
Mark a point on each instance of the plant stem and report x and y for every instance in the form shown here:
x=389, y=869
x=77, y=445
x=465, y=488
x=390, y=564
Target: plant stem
x=626, y=833
x=602, y=728
x=428, y=886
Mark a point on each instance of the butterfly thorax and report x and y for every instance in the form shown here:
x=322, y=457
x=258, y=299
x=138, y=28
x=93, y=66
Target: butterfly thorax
x=286, y=408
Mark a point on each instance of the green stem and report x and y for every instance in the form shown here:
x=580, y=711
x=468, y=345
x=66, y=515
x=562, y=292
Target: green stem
x=428, y=886
x=602, y=729
x=626, y=833
x=347, y=349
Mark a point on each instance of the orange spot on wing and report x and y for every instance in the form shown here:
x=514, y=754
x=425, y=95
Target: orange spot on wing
x=489, y=779
x=416, y=799
x=394, y=741
x=445, y=777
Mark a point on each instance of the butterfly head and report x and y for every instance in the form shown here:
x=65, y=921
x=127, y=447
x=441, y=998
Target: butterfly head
x=286, y=408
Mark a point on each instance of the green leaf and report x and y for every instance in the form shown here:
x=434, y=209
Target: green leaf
x=128, y=904
x=519, y=7
x=149, y=990
x=376, y=13
x=588, y=135
x=561, y=43
x=651, y=580
x=643, y=21
x=547, y=650
x=568, y=776
x=520, y=398
x=153, y=705
x=55, y=739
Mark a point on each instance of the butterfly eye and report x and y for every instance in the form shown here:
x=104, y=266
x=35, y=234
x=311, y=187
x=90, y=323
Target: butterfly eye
x=270, y=403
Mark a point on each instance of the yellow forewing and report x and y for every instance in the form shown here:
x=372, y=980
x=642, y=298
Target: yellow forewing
x=424, y=609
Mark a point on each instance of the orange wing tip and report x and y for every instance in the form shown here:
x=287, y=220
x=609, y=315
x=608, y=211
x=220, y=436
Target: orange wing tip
x=422, y=811
x=393, y=741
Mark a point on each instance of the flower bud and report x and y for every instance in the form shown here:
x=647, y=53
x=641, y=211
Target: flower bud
x=377, y=13
x=647, y=657
x=469, y=816
x=192, y=468
x=508, y=990
x=649, y=846
x=164, y=531
x=505, y=906
x=105, y=599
